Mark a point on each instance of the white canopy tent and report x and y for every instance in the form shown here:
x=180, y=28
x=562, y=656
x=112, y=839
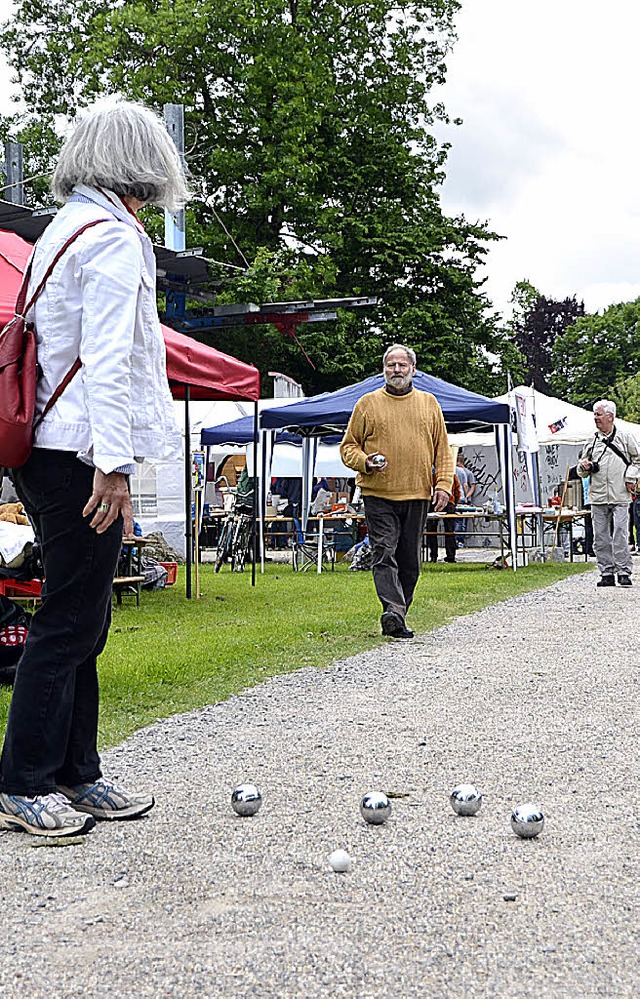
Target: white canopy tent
x=562, y=430
x=559, y=422
x=158, y=487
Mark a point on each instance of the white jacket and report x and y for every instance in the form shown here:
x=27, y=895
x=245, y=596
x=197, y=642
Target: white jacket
x=607, y=486
x=99, y=304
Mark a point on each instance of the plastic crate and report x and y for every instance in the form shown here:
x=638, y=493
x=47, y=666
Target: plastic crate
x=172, y=572
x=21, y=588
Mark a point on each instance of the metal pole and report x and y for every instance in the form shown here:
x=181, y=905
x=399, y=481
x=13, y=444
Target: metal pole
x=175, y=237
x=174, y=225
x=13, y=171
x=187, y=490
x=255, y=494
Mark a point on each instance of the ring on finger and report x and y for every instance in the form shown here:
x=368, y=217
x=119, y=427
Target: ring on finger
x=104, y=508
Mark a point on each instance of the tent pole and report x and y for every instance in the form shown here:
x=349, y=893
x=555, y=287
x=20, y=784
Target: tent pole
x=187, y=492
x=255, y=494
x=263, y=498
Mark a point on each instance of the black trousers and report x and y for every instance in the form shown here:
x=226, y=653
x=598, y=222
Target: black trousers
x=52, y=728
x=395, y=533
x=449, y=536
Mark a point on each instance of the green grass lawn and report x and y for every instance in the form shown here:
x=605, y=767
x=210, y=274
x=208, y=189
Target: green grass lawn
x=171, y=654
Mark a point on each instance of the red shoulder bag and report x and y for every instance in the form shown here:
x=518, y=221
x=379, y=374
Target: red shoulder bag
x=19, y=371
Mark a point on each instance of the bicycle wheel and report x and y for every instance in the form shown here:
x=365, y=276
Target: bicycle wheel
x=224, y=543
x=241, y=543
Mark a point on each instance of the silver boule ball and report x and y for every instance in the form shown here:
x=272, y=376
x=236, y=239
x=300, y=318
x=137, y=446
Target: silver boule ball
x=465, y=799
x=378, y=460
x=527, y=820
x=246, y=799
x=340, y=861
x=375, y=808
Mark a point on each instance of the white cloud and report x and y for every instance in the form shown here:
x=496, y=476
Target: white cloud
x=548, y=153
x=549, y=149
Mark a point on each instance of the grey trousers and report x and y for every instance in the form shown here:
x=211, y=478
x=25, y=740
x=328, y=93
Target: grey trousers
x=395, y=534
x=611, y=538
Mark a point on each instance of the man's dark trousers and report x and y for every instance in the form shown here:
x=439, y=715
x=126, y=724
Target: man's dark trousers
x=395, y=534
x=53, y=718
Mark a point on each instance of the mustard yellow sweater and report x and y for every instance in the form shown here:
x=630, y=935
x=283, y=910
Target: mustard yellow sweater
x=409, y=431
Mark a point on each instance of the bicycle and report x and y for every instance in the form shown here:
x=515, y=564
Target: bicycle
x=236, y=533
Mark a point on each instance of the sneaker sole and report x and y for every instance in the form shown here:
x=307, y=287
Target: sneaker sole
x=117, y=814
x=16, y=824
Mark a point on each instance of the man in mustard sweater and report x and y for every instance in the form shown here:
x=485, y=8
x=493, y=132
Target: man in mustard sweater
x=396, y=436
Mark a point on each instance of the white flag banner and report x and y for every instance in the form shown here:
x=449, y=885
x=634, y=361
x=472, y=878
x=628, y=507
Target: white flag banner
x=526, y=423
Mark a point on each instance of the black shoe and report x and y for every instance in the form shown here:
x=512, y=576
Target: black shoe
x=608, y=581
x=450, y=559
x=405, y=633
x=391, y=622
x=393, y=625
x=624, y=580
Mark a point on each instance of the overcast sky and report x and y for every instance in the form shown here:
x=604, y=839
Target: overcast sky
x=548, y=152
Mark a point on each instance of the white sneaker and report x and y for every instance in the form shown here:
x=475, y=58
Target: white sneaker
x=105, y=800
x=43, y=815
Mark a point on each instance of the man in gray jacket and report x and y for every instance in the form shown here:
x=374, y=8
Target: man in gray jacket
x=612, y=460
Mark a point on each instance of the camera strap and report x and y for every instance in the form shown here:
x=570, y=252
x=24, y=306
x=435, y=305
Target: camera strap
x=616, y=450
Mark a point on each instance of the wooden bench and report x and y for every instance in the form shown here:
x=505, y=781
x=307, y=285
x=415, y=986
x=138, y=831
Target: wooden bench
x=122, y=583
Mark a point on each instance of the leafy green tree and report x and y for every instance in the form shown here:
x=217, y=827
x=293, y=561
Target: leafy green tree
x=315, y=168
x=596, y=353
x=537, y=323
x=626, y=395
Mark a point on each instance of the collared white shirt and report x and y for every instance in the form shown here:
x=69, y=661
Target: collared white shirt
x=99, y=304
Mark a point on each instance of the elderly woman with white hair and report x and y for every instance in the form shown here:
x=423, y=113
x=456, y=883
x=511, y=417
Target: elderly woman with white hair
x=102, y=359
x=612, y=462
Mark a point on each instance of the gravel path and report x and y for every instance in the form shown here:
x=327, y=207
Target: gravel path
x=536, y=698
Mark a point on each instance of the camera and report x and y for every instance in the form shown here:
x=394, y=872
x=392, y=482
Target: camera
x=595, y=467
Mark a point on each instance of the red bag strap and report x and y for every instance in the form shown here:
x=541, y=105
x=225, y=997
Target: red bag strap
x=21, y=309
x=71, y=373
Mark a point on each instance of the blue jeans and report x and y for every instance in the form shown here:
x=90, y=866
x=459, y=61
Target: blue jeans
x=635, y=509
x=52, y=729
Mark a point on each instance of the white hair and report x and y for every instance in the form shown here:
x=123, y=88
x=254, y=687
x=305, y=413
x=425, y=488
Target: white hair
x=607, y=405
x=411, y=354
x=125, y=147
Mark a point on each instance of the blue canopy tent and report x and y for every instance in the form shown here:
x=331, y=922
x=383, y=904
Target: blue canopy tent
x=241, y=432
x=330, y=412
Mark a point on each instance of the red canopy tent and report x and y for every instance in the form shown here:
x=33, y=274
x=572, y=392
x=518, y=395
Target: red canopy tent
x=195, y=371
x=208, y=373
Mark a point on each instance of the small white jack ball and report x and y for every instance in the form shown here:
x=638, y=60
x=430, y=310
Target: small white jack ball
x=527, y=821
x=340, y=861
x=465, y=799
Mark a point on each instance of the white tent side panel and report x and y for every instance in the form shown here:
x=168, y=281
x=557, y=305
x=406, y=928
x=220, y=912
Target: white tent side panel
x=157, y=492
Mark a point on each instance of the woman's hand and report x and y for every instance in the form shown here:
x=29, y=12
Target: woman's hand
x=109, y=499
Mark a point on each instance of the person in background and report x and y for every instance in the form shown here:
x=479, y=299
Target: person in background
x=635, y=513
x=320, y=483
x=468, y=487
x=612, y=461
x=448, y=527
x=395, y=438
x=98, y=307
